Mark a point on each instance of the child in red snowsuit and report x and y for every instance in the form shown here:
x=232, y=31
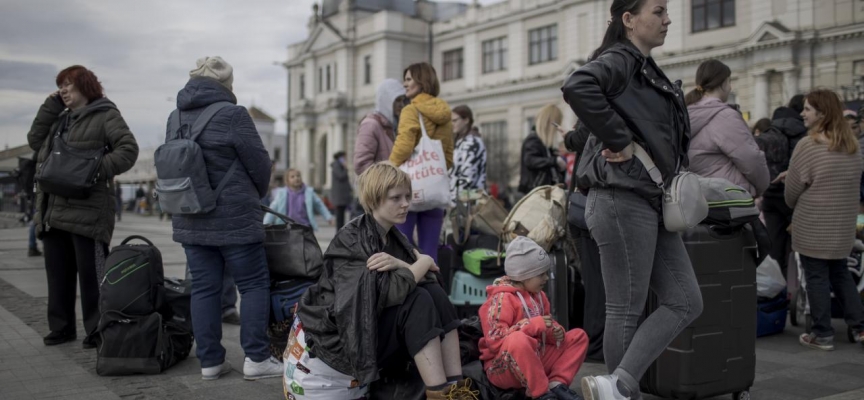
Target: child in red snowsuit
x=522, y=346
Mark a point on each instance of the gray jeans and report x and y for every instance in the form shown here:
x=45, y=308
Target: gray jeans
x=638, y=254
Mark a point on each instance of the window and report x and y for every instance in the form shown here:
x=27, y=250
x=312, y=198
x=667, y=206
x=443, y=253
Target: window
x=495, y=55
x=543, y=44
x=320, y=79
x=276, y=154
x=713, y=14
x=499, y=163
x=452, y=65
x=302, y=86
x=335, y=74
x=328, y=78
x=367, y=70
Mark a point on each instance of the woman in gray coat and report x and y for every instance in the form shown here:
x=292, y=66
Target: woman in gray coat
x=76, y=232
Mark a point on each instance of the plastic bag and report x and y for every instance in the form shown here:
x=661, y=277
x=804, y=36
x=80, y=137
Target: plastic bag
x=309, y=378
x=769, y=279
x=427, y=167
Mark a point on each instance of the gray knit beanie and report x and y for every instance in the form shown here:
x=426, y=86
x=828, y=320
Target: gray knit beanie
x=525, y=259
x=216, y=68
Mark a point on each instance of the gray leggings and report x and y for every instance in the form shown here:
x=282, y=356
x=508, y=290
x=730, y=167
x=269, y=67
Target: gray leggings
x=637, y=253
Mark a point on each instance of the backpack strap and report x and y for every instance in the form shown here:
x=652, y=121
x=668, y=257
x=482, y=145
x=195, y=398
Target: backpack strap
x=228, y=174
x=205, y=117
x=174, y=125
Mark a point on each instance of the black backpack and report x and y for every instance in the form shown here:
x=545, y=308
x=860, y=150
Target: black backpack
x=178, y=302
x=133, y=281
x=139, y=344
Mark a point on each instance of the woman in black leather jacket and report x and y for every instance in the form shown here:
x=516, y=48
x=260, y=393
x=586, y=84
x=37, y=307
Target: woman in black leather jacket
x=623, y=97
x=540, y=164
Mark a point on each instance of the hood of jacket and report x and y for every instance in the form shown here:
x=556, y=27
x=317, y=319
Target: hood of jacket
x=503, y=285
x=202, y=92
x=792, y=126
x=94, y=106
x=386, y=94
x=703, y=111
x=432, y=108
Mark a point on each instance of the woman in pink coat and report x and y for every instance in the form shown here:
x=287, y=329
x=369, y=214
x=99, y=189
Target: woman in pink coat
x=376, y=133
x=721, y=145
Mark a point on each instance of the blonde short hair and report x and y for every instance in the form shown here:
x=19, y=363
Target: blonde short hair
x=376, y=181
x=545, y=130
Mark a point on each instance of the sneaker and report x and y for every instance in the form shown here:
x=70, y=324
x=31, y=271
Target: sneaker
x=34, y=252
x=269, y=368
x=603, y=387
x=213, y=373
x=54, y=338
x=859, y=337
x=89, y=342
x=810, y=340
x=231, y=317
x=563, y=392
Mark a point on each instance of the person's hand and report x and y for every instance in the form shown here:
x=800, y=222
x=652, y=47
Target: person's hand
x=548, y=320
x=426, y=261
x=621, y=156
x=558, y=331
x=384, y=262
x=562, y=165
x=780, y=178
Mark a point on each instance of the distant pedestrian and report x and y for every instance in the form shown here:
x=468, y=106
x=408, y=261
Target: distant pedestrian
x=540, y=164
x=118, y=200
x=341, y=194
x=75, y=233
x=297, y=201
x=761, y=125
x=469, y=154
x=422, y=87
x=140, y=204
x=624, y=99
x=376, y=133
x=721, y=145
x=231, y=235
x=822, y=187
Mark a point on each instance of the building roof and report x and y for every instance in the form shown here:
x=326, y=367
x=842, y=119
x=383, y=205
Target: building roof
x=259, y=115
x=9, y=157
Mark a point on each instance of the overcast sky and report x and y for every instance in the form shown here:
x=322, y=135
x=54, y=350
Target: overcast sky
x=142, y=52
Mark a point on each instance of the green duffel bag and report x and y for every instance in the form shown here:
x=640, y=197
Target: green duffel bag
x=483, y=263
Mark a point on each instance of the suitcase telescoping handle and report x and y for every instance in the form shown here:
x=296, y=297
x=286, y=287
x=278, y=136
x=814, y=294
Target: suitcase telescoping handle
x=139, y=237
x=284, y=217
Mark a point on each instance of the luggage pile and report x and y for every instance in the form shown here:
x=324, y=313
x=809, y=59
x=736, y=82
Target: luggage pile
x=145, y=326
x=295, y=261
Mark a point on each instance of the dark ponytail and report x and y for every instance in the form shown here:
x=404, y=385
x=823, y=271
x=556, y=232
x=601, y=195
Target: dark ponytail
x=617, y=32
x=710, y=75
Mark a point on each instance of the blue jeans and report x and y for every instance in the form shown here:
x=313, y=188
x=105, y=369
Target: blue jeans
x=33, y=235
x=823, y=277
x=428, y=224
x=229, y=290
x=638, y=254
x=248, y=265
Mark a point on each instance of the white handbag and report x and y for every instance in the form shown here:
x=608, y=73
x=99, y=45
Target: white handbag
x=427, y=167
x=684, y=206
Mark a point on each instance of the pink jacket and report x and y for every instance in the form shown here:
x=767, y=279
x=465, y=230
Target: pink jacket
x=374, y=141
x=722, y=146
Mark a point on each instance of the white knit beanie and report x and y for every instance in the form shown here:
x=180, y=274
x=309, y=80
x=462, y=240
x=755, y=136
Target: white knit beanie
x=216, y=68
x=525, y=259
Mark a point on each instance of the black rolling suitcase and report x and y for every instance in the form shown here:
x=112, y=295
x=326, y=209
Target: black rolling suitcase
x=560, y=287
x=716, y=354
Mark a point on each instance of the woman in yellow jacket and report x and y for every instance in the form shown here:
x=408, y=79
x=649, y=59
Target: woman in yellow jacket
x=421, y=86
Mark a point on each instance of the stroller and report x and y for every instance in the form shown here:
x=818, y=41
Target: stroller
x=799, y=307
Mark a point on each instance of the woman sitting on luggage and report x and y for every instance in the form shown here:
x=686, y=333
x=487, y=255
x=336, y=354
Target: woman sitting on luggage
x=822, y=187
x=378, y=301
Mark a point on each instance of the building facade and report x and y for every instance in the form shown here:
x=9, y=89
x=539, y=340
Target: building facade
x=509, y=59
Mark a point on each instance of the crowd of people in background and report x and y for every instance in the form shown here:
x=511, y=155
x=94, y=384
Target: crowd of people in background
x=806, y=156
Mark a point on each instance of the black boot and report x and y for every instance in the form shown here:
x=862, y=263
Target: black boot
x=54, y=338
x=34, y=252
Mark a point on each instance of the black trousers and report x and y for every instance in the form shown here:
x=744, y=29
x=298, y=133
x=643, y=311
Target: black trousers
x=595, y=294
x=70, y=257
x=405, y=329
x=778, y=217
x=340, y=216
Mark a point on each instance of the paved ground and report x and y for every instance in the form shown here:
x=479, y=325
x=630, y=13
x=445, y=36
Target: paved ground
x=29, y=370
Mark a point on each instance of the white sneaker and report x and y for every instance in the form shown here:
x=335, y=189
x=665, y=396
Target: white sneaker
x=603, y=387
x=213, y=373
x=269, y=368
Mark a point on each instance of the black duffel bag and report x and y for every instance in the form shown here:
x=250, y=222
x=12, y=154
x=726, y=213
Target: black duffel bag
x=68, y=171
x=292, y=249
x=139, y=344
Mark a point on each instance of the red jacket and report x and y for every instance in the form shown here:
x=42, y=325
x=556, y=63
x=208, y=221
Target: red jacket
x=503, y=313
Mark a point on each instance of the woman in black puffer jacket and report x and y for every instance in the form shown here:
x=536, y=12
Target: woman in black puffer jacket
x=623, y=97
x=540, y=162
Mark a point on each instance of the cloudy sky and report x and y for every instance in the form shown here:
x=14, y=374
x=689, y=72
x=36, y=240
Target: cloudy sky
x=142, y=52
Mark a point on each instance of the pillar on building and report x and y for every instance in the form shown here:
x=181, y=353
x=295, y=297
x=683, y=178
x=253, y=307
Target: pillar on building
x=761, y=98
x=790, y=83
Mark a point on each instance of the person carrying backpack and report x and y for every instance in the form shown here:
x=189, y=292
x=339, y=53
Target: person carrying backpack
x=216, y=213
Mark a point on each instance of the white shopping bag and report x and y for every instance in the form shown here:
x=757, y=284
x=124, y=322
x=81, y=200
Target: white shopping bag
x=769, y=279
x=427, y=167
x=309, y=378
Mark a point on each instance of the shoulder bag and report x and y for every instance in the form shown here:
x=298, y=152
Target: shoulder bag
x=684, y=206
x=68, y=171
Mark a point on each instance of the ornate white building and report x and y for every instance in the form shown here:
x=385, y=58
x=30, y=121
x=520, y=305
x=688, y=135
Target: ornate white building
x=508, y=59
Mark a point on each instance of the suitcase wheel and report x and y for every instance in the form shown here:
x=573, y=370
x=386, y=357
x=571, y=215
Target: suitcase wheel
x=742, y=395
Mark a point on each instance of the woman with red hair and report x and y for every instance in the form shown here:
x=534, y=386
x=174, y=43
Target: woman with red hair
x=76, y=231
x=822, y=188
